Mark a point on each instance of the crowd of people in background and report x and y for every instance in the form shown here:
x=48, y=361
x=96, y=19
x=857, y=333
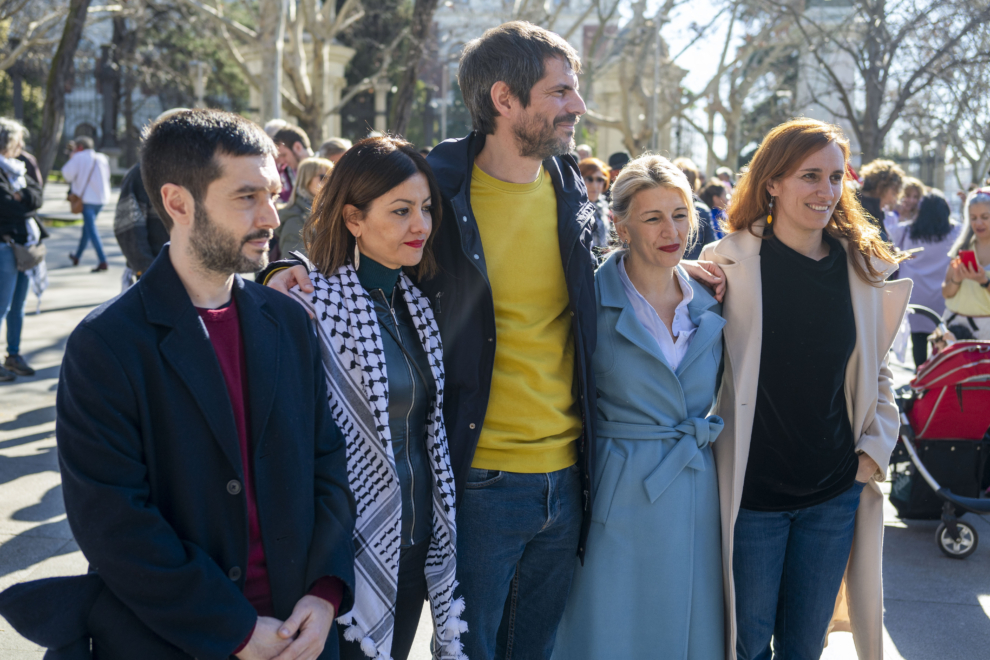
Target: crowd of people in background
x=549, y=395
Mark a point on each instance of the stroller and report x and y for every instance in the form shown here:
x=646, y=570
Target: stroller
x=938, y=466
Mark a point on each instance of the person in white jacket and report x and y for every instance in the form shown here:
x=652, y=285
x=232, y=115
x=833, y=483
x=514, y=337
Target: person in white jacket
x=88, y=175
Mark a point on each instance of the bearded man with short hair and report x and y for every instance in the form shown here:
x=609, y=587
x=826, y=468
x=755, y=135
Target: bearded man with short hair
x=204, y=478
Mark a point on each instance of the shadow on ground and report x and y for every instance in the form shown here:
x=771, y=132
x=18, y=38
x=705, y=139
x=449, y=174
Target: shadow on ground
x=30, y=418
x=44, y=541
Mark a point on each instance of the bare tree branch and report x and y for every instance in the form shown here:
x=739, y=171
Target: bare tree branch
x=241, y=30
x=363, y=84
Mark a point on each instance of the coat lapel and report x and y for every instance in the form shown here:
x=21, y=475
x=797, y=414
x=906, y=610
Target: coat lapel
x=709, y=326
x=614, y=295
x=188, y=350
x=743, y=310
x=259, y=331
x=878, y=312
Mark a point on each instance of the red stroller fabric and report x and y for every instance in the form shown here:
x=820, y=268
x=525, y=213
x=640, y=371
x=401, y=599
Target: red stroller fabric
x=952, y=400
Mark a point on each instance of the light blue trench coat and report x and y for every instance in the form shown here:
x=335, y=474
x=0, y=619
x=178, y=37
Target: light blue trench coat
x=651, y=584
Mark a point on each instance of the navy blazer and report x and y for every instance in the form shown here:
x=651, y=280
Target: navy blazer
x=152, y=472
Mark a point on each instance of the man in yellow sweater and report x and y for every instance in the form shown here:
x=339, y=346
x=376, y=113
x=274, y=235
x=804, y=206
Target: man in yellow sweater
x=520, y=280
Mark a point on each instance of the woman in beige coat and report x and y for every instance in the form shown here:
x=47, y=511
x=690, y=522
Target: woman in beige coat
x=806, y=396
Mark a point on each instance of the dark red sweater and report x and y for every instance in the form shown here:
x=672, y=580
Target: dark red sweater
x=224, y=327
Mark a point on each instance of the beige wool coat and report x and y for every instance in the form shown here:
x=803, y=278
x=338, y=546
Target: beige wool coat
x=878, y=311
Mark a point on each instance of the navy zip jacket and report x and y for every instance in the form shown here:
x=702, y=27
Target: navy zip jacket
x=462, y=302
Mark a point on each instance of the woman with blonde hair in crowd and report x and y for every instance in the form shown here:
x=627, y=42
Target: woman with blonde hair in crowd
x=651, y=581
x=296, y=211
x=807, y=399
x=966, y=288
x=596, y=179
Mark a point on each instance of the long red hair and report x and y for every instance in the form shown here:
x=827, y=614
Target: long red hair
x=781, y=153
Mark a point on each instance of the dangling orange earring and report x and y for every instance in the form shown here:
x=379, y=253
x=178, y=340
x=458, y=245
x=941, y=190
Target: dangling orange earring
x=770, y=212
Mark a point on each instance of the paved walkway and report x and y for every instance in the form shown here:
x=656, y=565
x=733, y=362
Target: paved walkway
x=936, y=607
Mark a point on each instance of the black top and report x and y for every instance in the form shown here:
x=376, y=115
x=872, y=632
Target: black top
x=411, y=391
x=14, y=213
x=802, y=451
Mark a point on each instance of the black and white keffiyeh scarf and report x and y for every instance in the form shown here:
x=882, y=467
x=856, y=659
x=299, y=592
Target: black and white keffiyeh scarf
x=354, y=363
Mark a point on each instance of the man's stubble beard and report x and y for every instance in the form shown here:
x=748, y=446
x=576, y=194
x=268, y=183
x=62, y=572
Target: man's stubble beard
x=538, y=138
x=219, y=252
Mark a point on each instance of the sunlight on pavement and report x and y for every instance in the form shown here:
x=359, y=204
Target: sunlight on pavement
x=840, y=647
x=985, y=603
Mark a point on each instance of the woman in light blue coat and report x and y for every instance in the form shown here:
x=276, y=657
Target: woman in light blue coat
x=651, y=583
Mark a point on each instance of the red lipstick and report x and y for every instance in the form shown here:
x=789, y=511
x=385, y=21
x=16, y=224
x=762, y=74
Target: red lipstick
x=415, y=244
x=671, y=248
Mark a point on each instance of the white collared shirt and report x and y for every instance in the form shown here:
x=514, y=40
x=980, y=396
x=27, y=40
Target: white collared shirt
x=674, y=347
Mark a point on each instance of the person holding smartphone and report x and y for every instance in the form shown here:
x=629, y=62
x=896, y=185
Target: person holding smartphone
x=966, y=284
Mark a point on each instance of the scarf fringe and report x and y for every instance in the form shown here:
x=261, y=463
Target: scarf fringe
x=354, y=633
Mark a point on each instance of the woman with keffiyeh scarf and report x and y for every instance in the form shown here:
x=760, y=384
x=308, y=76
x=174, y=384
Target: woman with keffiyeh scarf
x=371, y=228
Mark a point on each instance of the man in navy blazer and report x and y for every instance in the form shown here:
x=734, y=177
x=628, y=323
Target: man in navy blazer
x=204, y=478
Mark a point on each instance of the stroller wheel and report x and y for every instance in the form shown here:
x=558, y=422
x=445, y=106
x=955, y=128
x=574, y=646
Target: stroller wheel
x=964, y=547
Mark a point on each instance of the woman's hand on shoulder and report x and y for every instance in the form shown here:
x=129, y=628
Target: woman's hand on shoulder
x=707, y=272
x=285, y=279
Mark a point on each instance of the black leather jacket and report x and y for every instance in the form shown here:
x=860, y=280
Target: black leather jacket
x=410, y=393
x=13, y=213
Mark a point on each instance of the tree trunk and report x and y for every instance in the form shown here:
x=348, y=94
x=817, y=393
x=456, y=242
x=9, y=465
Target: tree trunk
x=272, y=44
x=53, y=112
x=131, y=132
x=402, y=102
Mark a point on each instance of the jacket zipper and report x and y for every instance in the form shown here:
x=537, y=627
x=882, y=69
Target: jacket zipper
x=412, y=403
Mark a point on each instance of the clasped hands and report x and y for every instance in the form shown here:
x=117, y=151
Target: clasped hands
x=301, y=637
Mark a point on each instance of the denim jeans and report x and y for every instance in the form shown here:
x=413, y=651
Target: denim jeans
x=13, y=293
x=787, y=568
x=89, y=232
x=517, y=537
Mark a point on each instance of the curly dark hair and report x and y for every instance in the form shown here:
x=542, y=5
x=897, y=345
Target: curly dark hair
x=880, y=175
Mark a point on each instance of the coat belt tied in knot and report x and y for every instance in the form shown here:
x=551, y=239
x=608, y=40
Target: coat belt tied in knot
x=692, y=435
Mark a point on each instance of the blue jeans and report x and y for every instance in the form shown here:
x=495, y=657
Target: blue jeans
x=788, y=567
x=13, y=293
x=89, y=232
x=517, y=537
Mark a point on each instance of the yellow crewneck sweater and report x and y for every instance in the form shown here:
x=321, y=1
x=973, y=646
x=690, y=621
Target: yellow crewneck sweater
x=532, y=422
